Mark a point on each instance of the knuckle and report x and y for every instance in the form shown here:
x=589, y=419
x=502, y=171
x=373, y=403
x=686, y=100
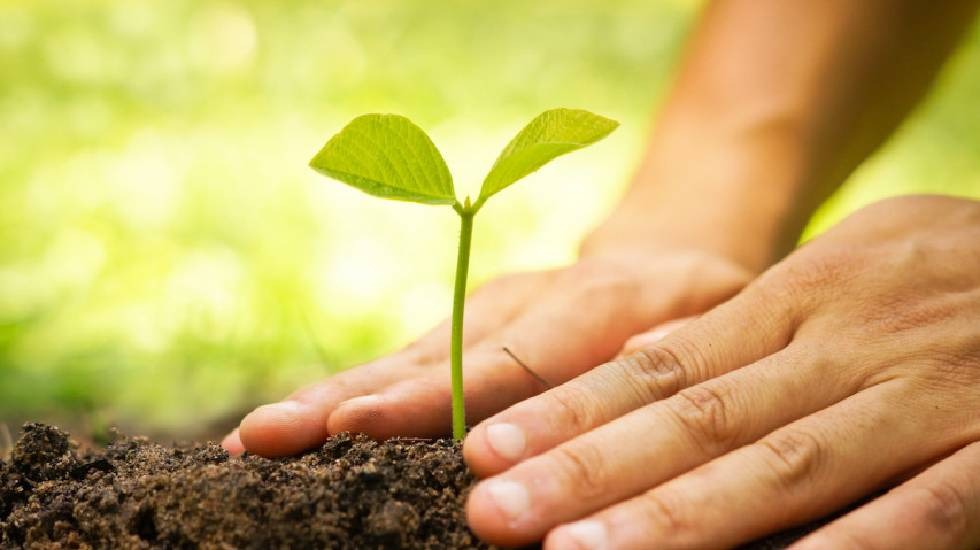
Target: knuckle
x=772, y=300
x=704, y=411
x=946, y=507
x=822, y=270
x=573, y=407
x=584, y=468
x=793, y=456
x=667, y=512
x=634, y=343
x=657, y=372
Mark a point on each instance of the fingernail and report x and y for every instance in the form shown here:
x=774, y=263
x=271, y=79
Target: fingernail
x=233, y=443
x=507, y=440
x=510, y=497
x=587, y=535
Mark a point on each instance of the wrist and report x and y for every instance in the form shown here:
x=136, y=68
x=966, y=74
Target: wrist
x=735, y=196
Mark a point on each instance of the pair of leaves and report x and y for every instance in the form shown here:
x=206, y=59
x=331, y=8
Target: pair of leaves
x=390, y=157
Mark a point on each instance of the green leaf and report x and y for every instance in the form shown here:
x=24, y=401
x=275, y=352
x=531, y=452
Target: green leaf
x=387, y=156
x=552, y=134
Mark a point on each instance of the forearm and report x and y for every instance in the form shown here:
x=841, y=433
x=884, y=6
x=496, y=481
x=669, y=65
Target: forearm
x=775, y=103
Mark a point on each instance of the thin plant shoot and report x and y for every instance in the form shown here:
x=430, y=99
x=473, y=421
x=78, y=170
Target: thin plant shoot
x=390, y=157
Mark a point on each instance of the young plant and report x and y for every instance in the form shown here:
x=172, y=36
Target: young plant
x=390, y=157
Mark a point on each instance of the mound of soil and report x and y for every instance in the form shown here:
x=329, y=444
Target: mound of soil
x=351, y=493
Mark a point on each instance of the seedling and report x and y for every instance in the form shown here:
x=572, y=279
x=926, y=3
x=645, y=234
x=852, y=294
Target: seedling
x=390, y=157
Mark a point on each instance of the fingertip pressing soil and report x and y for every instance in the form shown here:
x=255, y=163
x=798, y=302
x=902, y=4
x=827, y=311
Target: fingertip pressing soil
x=351, y=493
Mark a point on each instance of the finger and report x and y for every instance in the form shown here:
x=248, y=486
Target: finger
x=233, y=444
x=300, y=421
x=940, y=508
x=647, y=339
x=489, y=308
x=584, y=319
x=611, y=390
x=554, y=338
x=606, y=465
x=421, y=407
x=797, y=473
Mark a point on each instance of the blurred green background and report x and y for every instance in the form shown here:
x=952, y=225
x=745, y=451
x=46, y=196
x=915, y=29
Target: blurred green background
x=168, y=259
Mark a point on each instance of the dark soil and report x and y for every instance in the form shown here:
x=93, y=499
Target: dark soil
x=351, y=493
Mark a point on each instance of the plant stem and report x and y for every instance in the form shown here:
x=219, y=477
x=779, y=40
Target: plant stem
x=459, y=298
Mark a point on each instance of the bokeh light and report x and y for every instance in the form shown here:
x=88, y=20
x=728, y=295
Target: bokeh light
x=167, y=257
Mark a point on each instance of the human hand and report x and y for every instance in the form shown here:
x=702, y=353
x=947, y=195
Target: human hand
x=559, y=323
x=851, y=365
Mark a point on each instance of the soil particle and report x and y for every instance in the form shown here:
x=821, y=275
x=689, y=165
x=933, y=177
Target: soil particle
x=351, y=493
x=44, y=453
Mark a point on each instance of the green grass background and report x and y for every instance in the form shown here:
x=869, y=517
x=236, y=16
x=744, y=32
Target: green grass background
x=167, y=258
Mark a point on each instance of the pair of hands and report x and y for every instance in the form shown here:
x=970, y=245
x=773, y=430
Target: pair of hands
x=851, y=366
